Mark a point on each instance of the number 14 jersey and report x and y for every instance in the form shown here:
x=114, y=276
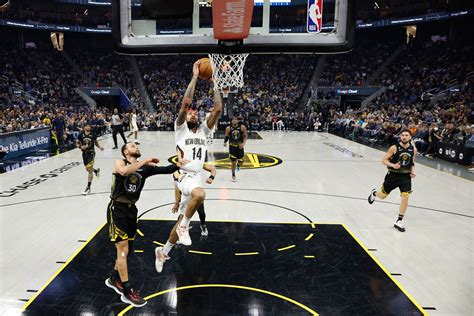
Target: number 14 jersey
x=192, y=146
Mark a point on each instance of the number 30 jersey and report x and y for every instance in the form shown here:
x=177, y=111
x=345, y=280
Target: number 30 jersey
x=192, y=146
x=128, y=188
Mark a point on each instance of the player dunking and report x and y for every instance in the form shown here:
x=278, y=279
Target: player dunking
x=86, y=142
x=129, y=177
x=236, y=134
x=181, y=203
x=191, y=144
x=400, y=161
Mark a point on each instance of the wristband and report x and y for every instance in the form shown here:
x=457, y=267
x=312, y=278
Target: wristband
x=211, y=177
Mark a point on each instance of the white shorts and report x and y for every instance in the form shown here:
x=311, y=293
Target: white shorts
x=134, y=128
x=186, y=183
x=183, y=204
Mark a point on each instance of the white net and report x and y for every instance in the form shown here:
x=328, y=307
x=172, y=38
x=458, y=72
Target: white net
x=228, y=70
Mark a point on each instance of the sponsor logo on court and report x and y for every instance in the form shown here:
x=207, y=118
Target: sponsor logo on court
x=343, y=150
x=251, y=160
x=35, y=181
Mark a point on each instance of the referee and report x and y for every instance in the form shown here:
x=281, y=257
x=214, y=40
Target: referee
x=117, y=127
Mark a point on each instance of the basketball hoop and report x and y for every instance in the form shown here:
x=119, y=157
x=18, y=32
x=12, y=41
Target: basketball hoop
x=228, y=71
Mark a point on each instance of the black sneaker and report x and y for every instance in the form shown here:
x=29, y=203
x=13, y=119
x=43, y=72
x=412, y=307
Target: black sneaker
x=137, y=143
x=371, y=198
x=116, y=285
x=133, y=298
x=97, y=173
x=115, y=147
x=86, y=191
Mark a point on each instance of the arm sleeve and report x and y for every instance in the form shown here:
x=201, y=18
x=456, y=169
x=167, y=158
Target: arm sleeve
x=151, y=171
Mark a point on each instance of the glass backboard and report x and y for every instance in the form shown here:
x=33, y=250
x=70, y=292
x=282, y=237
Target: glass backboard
x=277, y=26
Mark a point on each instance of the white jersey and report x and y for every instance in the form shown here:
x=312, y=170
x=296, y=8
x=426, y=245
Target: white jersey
x=192, y=146
x=210, y=137
x=133, y=121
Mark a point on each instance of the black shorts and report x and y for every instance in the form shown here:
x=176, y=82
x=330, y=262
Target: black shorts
x=88, y=158
x=235, y=153
x=122, y=220
x=395, y=180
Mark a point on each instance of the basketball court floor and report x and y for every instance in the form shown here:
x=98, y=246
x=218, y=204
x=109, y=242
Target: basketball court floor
x=294, y=235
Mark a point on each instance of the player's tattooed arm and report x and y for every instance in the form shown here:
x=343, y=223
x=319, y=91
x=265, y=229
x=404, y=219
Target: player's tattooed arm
x=216, y=113
x=188, y=96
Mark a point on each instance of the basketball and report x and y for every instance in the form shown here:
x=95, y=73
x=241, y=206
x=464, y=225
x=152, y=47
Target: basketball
x=205, y=69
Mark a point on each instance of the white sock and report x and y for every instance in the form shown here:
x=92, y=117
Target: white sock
x=185, y=221
x=167, y=248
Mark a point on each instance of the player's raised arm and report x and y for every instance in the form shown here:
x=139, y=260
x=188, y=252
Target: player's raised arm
x=188, y=96
x=216, y=112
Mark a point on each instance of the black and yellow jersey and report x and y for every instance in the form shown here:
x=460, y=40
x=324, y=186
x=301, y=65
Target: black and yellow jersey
x=403, y=156
x=128, y=188
x=236, y=135
x=87, y=140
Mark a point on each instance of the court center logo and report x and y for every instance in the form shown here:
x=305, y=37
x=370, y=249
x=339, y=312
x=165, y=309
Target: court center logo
x=251, y=160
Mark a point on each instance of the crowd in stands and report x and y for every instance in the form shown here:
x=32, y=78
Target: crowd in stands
x=424, y=70
x=103, y=68
x=65, y=122
x=273, y=88
x=55, y=12
x=42, y=74
x=356, y=67
x=449, y=121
